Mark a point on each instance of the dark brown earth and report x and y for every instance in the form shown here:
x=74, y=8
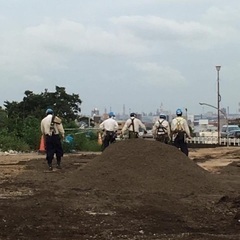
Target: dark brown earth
x=135, y=189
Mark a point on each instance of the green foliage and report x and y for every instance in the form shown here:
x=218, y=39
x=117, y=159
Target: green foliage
x=83, y=141
x=31, y=132
x=11, y=142
x=66, y=106
x=67, y=147
x=87, y=142
x=71, y=124
x=20, y=121
x=3, y=118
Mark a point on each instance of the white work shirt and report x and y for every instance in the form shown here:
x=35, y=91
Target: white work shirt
x=109, y=124
x=183, y=123
x=164, y=123
x=46, y=125
x=137, y=124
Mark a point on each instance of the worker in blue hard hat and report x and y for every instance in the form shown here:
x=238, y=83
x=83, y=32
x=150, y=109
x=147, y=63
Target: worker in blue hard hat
x=52, y=130
x=109, y=128
x=111, y=114
x=180, y=131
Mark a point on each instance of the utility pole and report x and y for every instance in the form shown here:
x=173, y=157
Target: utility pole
x=218, y=103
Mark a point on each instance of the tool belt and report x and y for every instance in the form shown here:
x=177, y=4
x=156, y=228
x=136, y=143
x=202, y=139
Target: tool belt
x=133, y=134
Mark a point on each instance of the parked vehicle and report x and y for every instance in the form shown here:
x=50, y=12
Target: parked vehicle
x=234, y=134
x=226, y=129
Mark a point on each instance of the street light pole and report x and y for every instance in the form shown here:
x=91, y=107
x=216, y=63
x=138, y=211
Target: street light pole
x=224, y=114
x=218, y=103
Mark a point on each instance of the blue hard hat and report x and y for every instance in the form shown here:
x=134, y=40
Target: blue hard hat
x=163, y=115
x=49, y=111
x=111, y=114
x=179, y=111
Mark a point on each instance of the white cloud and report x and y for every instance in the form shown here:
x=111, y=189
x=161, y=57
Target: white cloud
x=187, y=34
x=222, y=15
x=156, y=75
x=74, y=36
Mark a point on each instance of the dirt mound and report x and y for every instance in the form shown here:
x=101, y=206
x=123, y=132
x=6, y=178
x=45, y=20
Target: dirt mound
x=145, y=166
x=150, y=180
x=232, y=168
x=136, y=189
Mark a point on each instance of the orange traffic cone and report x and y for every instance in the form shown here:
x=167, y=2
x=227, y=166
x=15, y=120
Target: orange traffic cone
x=42, y=145
x=99, y=139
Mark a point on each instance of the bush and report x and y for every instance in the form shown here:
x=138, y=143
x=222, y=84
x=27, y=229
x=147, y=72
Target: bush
x=82, y=141
x=31, y=132
x=25, y=135
x=12, y=143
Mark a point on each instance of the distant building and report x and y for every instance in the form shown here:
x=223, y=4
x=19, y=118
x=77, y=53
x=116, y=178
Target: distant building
x=94, y=112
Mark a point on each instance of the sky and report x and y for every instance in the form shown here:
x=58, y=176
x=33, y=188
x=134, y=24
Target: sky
x=141, y=55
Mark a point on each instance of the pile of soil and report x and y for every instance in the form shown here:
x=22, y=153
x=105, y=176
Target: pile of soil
x=154, y=181
x=138, y=165
x=135, y=189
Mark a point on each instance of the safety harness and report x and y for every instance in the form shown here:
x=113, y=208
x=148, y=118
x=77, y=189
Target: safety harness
x=161, y=129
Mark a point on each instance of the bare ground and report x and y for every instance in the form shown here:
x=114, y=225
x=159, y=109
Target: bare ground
x=133, y=190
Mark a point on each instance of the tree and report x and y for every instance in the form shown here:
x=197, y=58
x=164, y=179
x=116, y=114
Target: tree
x=66, y=106
x=21, y=120
x=3, y=118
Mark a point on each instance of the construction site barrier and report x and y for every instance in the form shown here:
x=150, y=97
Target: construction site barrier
x=214, y=141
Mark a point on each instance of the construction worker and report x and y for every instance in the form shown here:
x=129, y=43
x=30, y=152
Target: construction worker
x=133, y=125
x=109, y=128
x=52, y=130
x=180, y=131
x=161, y=129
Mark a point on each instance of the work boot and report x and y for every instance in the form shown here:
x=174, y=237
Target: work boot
x=50, y=168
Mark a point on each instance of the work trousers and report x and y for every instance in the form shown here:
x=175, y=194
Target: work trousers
x=53, y=146
x=180, y=143
x=109, y=138
x=162, y=138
